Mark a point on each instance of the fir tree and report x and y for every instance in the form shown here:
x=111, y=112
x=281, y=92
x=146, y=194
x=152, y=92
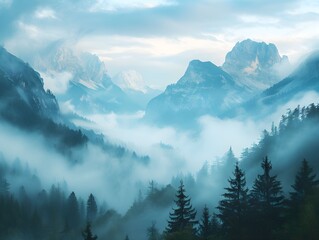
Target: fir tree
x=182, y=217
x=205, y=227
x=266, y=203
x=91, y=208
x=73, y=213
x=87, y=233
x=304, y=185
x=302, y=214
x=233, y=208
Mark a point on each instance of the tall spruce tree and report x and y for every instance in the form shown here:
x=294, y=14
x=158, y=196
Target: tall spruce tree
x=91, y=208
x=205, y=226
x=305, y=183
x=183, y=216
x=266, y=201
x=72, y=212
x=233, y=208
x=303, y=211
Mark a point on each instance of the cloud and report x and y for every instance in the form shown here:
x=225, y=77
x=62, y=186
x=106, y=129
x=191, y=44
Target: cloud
x=45, y=13
x=57, y=82
x=164, y=35
x=113, y=5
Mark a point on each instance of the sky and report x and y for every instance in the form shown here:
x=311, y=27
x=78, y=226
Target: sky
x=158, y=38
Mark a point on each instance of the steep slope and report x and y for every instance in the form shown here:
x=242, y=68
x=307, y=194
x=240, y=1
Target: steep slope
x=305, y=78
x=19, y=82
x=203, y=89
x=87, y=86
x=25, y=105
x=255, y=65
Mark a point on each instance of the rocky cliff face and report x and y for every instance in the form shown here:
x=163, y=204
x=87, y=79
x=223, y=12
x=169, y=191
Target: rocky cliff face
x=20, y=83
x=255, y=65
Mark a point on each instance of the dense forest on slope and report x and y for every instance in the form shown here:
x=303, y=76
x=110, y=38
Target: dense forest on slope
x=282, y=194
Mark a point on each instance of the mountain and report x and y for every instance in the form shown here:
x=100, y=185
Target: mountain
x=20, y=84
x=26, y=105
x=255, y=65
x=80, y=79
x=203, y=89
x=133, y=84
x=304, y=79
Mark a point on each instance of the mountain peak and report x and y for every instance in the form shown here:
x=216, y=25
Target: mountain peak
x=199, y=72
x=254, y=64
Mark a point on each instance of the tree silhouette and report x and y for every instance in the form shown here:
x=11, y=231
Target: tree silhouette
x=183, y=216
x=266, y=203
x=303, y=206
x=91, y=208
x=72, y=211
x=87, y=233
x=233, y=208
x=304, y=185
x=205, y=227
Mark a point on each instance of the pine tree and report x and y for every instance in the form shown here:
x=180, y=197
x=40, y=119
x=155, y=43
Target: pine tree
x=303, y=207
x=87, y=233
x=266, y=203
x=215, y=225
x=304, y=185
x=183, y=217
x=229, y=161
x=233, y=208
x=91, y=208
x=205, y=227
x=72, y=211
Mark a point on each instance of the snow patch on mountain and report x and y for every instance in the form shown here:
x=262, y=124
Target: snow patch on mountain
x=130, y=80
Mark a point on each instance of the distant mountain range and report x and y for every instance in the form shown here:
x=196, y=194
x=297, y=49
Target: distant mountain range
x=25, y=105
x=88, y=87
x=248, y=84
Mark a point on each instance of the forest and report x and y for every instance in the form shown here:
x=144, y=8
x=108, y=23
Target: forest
x=255, y=203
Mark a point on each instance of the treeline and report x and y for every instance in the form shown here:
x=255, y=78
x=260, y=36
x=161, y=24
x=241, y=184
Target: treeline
x=45, y=215
x=295, y=138
x=264, y=212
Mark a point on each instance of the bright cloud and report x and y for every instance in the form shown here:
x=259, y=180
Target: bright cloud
x=45, y=13
x=164, y=35
x=114, y=5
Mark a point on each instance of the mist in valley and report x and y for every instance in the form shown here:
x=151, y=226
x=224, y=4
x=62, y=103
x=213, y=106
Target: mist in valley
x=135, y=120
